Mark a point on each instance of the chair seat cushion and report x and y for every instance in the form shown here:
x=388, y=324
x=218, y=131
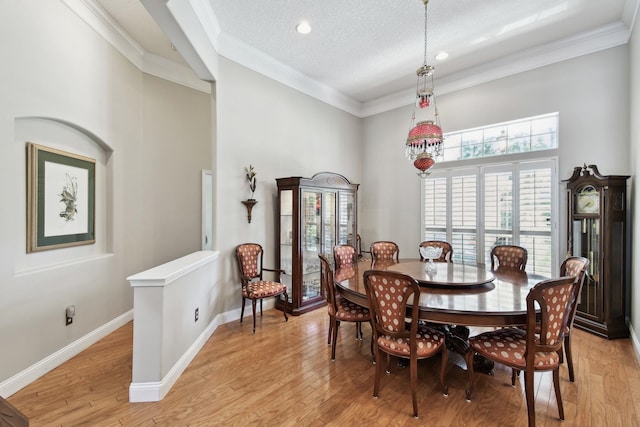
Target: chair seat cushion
x=263, y=289
x=428, y=340
x=507, y=346
x=350, y=312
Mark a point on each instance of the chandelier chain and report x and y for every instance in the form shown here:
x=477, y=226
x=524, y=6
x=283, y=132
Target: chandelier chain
x=425, y=31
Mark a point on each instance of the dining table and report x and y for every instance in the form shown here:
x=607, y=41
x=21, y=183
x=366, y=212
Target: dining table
x=453, y=296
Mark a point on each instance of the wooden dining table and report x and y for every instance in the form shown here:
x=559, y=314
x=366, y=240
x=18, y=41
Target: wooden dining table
x=455, y=296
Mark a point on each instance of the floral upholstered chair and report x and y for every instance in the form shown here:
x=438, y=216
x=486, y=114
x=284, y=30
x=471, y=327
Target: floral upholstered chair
x=254, y=287
x=383, y=250
x=388, y=293
x=339, y=308
x=508, y=257
x=538, y=348
x=447, y=250
x=573, y=266
x=344, y=255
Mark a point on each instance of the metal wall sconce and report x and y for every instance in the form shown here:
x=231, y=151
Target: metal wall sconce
x=249, y=204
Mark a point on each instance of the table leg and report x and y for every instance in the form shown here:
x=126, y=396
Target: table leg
x=457, y=340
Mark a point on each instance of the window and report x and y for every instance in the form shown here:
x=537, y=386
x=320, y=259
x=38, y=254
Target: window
x=477, y=208
x=518, y=136
x=482, y=201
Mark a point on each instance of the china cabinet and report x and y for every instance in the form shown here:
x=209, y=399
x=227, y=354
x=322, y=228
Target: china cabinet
x=314, y=215
x=597, y=230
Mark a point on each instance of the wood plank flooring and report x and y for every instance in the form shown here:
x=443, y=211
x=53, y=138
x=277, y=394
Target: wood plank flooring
x=283, y=376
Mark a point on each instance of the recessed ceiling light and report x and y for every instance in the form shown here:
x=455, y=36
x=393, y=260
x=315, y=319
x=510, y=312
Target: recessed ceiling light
x=442, y=55
x=303, y=27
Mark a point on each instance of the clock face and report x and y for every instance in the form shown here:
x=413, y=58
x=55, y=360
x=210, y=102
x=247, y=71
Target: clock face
x=588, y=200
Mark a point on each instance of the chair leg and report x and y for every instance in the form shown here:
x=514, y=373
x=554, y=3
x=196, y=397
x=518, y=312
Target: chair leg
x=567, y=350
x=284, y=306
x=242, y=310
x=528, y=391
x=336, y=323
x=253, y=307
x=330, y=330
x=515, y=373
x=376, y=382
x=556, y=385
x=471, y=386
x=261, y=308
x=443, y=370
x=413, y=373
x=373, y=339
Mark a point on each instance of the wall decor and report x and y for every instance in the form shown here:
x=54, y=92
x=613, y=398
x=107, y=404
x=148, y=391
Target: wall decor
x=61, y=190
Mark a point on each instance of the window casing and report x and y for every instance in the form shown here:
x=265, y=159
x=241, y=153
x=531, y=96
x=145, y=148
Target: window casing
x=475, y=208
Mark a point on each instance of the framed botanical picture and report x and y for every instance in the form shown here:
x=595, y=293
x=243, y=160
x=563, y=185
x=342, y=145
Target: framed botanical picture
x=61, y=194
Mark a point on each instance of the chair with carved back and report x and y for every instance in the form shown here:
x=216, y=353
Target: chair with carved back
x=395, y=333
x=508, y=257
x=254, y=287
x=538, y=348
x=338, y=307
x=577, y=267
x=447, y=250
x=573, y=266
x=384, y=250
x=344, y=255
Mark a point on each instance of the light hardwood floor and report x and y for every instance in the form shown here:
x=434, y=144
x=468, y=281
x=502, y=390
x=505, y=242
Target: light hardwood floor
x=283, y=376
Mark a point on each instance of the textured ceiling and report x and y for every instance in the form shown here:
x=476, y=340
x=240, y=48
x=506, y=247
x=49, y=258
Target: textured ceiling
x=368, y=49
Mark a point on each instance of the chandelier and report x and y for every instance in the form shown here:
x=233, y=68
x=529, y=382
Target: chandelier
x=424, y=142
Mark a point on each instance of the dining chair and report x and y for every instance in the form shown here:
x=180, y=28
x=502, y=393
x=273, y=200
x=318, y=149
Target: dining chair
x=339, y=308
x=397, y=332
x=509, y=257
x=530, y=350
x=384, y=250
x=254, y=287
x=344, y=255
x=573, y=266
x=447, y=250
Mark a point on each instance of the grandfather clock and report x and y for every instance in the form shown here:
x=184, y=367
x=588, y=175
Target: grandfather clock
x=597, y=230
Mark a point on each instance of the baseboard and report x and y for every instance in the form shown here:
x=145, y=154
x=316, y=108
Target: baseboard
x=32, y=373
x=635, y=342
x=141, y=392
x=156, y=391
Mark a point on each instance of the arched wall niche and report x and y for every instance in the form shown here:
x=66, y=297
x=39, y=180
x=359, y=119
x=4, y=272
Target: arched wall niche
x=71, y=137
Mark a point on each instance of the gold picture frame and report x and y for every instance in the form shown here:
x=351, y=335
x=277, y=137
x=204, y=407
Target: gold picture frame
x=61, y=190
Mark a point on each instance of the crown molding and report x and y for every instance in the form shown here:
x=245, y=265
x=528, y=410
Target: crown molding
x=256, y=60
x=102, y=23
x=605, y=37
x=193, y=27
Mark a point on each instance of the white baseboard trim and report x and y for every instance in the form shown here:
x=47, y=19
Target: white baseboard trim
x=156, y=391
x=138, y=392
x=32, y=373
x=635, y=342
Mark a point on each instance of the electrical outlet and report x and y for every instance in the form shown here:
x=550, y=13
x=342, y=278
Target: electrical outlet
x=197, y=315
x=69, y=312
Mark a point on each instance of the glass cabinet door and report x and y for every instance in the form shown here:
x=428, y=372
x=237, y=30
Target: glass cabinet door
x=586, y=243
x=329, y=223
x=346, y=216
x=311, y=243
x=286, y=239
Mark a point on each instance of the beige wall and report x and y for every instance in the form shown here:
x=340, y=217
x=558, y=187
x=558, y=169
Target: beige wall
x=150, y=138
x=281, y=132
x=594, y=129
